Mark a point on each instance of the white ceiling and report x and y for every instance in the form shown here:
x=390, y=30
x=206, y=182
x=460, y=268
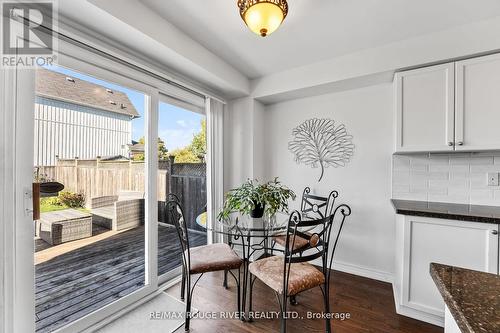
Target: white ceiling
x=315, y=30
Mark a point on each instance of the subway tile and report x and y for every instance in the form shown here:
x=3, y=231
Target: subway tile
x=418, y=185
x=448, y=198
x=496, y=159
x=439, y=159
x=481, y=160
x=417, y=175
x=439, y=167
x=485, y=202
x=419, y=160
x=401, y=177
x=485, y=168
x=439, y=175
x=478, y=195
x=438, y=183
x=458, y=183
x=411, y=196
x=401, y=162
x=400, y=188
x=459, y=175
x=459, y=160
x=459, y=168
x=438, y=191
x=484, y=154
x=478, y=183
x=419, y=167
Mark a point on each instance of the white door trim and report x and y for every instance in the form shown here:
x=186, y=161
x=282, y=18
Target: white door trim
x=17, y=173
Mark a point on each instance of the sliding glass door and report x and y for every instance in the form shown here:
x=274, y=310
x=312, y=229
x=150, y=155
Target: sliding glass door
x=89, y=162
x=110, y=143
x=182, y=175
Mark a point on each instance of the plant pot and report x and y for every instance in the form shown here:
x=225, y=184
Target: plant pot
x=258, y=211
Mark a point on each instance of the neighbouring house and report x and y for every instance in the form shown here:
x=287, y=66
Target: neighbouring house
x=136, y=149
x=75, y=118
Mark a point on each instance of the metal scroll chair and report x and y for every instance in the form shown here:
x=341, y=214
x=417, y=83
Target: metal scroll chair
x=292, y=273
x=313, y=206
x=201, y=259
x=173, y=197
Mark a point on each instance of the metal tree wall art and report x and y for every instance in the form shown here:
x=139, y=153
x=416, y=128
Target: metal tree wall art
x=320, y=142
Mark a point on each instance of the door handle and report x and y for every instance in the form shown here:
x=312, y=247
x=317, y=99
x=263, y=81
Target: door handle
x=494, y=232
x=450, y=143
x=28, y=201
x=460, y=143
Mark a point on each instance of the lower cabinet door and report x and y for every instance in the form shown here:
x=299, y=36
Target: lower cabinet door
x=471, y=245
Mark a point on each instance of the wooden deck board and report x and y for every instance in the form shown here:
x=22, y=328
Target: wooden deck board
x=74, y=284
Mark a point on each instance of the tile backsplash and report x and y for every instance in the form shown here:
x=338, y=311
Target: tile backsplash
x=456, y=178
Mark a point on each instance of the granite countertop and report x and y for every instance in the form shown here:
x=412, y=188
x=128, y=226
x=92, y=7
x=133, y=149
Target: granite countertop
x=462, y=212
x=473, y=297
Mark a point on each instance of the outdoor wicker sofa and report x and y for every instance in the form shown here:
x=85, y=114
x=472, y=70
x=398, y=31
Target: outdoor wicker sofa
x=64, y=226
x=118, y=212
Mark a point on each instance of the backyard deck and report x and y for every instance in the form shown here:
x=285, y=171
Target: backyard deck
x=74, y=284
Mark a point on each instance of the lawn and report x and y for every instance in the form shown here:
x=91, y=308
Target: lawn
x=52, y=205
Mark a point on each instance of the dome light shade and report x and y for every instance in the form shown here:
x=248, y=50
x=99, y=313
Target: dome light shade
x=263, y=17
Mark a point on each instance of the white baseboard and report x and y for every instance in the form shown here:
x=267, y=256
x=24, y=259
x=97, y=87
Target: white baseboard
x=416, y=314
x=419, y=315
x=363, y=271
x=366, y=272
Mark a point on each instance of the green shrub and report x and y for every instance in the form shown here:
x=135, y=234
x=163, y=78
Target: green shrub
x=72, y=200
x=52, y=201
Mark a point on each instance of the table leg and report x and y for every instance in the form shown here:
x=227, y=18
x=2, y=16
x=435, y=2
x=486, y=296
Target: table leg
x=246, y=262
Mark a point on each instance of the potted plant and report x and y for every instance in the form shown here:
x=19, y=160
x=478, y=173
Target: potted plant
x=256, y=199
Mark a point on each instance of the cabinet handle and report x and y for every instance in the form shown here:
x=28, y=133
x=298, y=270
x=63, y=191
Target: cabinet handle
x=450, y=143
x=494, y=232
x=460, y=143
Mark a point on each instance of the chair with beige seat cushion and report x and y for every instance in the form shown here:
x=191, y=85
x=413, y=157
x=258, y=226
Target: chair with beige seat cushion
x=292, y=273
x=213, y=257
x=201, y=259
x=303, y=276
x=313, y=206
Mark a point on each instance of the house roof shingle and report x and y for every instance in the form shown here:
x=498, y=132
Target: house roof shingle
x=69, y=89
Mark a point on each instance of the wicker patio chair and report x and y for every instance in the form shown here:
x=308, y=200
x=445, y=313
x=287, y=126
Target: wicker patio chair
x=124, y=211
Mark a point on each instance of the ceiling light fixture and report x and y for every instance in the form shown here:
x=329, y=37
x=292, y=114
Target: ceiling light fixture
x=263, y=16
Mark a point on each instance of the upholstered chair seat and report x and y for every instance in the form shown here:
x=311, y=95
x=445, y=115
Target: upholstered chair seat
x=299, y=242
x=303, y=276
x=213, y=257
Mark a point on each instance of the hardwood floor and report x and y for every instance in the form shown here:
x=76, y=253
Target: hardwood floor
x=370, y=304
x=77, y=282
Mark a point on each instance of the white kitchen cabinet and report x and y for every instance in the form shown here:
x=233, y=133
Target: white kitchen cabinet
x=422, y=240
x=449, y=107
x=425, y=109
x=478, y=103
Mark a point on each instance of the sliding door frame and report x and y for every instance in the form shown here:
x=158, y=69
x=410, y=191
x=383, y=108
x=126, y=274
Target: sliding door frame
x=88, y=61
x=16, y=243
x=83, y=61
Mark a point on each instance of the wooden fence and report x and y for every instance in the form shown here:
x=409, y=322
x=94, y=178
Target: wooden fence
x=96, y=178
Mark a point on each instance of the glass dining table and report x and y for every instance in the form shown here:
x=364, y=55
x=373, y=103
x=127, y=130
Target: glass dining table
x=252, y=239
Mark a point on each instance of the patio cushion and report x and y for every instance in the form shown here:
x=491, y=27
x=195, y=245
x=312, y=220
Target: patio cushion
x=106, y=212
x=213, y=257
x=303, y=276
x=298, y=244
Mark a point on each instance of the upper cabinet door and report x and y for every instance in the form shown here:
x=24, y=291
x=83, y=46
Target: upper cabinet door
x=425, y=109
x=478, y=103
